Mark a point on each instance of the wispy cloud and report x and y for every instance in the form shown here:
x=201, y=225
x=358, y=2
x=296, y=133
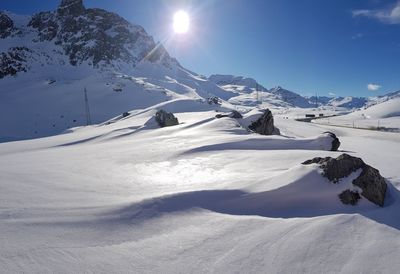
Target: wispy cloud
x=373, y=87
x=357, y=36
x=331, y=94
x=389, y=15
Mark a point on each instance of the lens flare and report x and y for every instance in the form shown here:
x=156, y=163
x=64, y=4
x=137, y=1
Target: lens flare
x=181, y=22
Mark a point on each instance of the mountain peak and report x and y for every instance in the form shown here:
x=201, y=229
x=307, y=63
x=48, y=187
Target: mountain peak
x=71, y=7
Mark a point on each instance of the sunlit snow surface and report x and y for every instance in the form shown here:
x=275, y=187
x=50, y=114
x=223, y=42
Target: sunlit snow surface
x=205, y=196
x=384, y=116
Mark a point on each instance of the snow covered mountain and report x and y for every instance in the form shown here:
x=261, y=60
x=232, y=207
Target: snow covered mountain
x=291, y=97
x=91, y=36
x=349, y=102
x=48, y=59
x=246, y=90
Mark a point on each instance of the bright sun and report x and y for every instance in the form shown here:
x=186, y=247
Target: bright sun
x=181, y=22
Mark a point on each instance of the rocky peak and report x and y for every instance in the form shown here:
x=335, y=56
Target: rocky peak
x=71, y=7
x=96, y=36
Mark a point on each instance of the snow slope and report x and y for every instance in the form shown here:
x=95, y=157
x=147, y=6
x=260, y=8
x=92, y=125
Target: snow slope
x=205, y=196
x=385, y=115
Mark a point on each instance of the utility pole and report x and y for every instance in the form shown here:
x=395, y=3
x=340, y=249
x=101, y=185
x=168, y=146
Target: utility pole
x=87, y=110
x=257, y=91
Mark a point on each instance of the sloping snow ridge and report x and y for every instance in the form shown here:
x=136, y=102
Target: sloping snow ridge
x=388, y=109
x=205, y=196
x=383, y=116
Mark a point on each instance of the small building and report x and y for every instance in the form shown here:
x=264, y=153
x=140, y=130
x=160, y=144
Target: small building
x=310, y=115
x=321, y=115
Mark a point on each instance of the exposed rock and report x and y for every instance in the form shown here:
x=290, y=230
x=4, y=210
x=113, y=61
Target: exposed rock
x=373, y=185
x=349, y=197
x=46, y=24
x=336, y=169
x=265, y=124
x=335, y=141
x=6, y=25
x=234, y=114
x=166, y=119
x=213, y=100
x=370, y=181
x=13, y=61
x=71, y=7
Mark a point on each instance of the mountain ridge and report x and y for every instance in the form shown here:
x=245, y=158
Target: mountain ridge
x=247, y=85
x=49, y=58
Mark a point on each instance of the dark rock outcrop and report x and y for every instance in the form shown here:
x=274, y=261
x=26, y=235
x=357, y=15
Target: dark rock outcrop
x=6, y=25
x=335, y=141
x=166, y=119
x=14, y=61
x=336, y=169
x=234, y=114
x=349, y=197
x=213, y=100
x=265, y=124
x=71, y=7
x=372, y=184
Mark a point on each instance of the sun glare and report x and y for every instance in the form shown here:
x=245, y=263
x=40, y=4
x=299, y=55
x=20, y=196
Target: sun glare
x=181, y=22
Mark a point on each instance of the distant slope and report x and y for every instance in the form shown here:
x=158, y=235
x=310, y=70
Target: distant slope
x=250, y=92
x=351, y=102
x=382, y=116
x=291, y=97
x=387, y=109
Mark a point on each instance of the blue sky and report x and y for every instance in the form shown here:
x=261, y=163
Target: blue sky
x=337, y=47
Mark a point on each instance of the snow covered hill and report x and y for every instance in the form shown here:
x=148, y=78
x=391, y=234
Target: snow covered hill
x=205, y=196
x=383, y=98
x=384, y=116
x=387, y=109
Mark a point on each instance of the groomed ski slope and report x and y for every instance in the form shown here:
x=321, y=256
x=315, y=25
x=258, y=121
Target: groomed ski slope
x=201, y=197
